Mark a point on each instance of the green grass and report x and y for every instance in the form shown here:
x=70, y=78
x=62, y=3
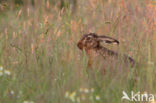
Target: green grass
x=45, y=63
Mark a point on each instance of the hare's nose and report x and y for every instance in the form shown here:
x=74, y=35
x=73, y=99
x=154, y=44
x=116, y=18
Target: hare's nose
x=80, y=45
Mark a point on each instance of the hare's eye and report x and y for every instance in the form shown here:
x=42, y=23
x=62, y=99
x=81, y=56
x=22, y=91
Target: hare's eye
x=89, y=38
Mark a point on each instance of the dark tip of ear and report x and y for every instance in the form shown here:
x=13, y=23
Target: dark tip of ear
x=113, y=42
x=116, y=42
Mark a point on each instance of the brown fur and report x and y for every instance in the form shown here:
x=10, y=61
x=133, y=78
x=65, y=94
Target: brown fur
x=91, y=44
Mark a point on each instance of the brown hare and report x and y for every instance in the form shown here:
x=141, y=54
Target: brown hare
x=91, y=44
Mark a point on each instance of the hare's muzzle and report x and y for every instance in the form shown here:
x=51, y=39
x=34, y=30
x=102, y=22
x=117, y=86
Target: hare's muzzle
x=80, y=45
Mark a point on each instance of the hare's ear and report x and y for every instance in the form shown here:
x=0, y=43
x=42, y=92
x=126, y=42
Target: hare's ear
x=108, y=40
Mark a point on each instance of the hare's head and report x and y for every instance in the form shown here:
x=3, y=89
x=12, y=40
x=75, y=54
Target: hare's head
x=92, y=40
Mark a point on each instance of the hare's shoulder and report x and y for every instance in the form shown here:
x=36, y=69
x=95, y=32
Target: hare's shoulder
x=92, y=53
x=106, y=52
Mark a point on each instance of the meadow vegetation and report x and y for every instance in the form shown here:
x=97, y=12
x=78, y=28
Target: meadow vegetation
x=40, y=61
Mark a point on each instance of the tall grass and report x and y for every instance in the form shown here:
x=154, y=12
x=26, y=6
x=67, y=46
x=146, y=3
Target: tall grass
x=38, y=48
